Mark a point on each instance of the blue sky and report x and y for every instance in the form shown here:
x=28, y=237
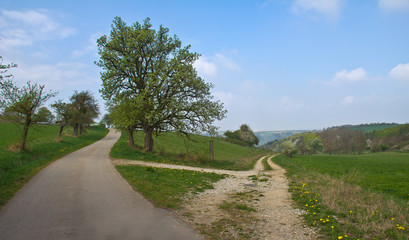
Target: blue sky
x=276, y=65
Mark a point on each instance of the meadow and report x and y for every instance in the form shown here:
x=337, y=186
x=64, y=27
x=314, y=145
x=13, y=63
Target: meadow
x=173, y=148
x=17, y=168
x=352, y=196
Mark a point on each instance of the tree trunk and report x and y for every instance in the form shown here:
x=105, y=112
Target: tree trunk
x=211, y=150
x=24, y=135
x=131, y=142
x=81, y=128
x=148, y=145
x=76, y=129
x=60, y=132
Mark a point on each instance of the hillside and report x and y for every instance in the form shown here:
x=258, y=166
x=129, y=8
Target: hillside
x=269, y=136
x=172, y=148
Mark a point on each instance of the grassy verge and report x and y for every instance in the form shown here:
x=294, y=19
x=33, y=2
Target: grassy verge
x=171, y=148
x=17, y=168
x=342, y=197
x=167, y=187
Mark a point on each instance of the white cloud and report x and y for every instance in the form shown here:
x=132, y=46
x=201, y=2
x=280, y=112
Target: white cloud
x=55, y=76
x=344, y=76
x=210, y=67
x=400, y=72
x=27, y=27
x=225, y=97
x=330, y=8
x=394, y=4
x=226, y=62
x=205, y=67
x=89, y=48
x=348, y=100
x=290, y=104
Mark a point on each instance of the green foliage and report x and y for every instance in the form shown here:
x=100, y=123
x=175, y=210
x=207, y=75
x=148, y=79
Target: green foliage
x=4, y=68
x=244, y=136
x=150, y=82
x=17, y=168
x=171, y=149
x=167, y=187
x=43, y=115
x=83, y=110
x=289, y=149
x=391, y=138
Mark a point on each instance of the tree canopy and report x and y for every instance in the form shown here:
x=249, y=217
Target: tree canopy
x=244, y=136
x=149, y=80
x=83, y=109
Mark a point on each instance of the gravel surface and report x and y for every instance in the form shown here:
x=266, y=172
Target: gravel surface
x=265, y=191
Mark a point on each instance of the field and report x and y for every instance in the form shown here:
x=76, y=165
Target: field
x=171, y=148
x=358, y=196
x=17, y=168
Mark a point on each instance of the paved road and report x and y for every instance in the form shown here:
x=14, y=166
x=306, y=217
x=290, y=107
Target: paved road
x=82, y=196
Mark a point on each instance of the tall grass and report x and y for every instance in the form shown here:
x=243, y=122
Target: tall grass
x=350, y=195
x=172, y=148
x=17, y=168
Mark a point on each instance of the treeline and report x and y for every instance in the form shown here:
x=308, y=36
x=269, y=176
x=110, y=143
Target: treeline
x=343, y=140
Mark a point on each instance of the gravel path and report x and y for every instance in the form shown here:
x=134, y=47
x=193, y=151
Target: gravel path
x=264, y=191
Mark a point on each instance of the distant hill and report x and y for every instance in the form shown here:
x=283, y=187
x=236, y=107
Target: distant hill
x=269, y=136
x=369, y=127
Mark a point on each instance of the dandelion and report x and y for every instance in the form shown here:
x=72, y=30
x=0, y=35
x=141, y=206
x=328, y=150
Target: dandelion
x=340, y=237
x=393, y=219
x=332, y=227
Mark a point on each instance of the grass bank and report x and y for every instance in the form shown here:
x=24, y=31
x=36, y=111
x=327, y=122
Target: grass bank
x=172, y=148
x=354, y=196
x=167, y=187
x=17, y=168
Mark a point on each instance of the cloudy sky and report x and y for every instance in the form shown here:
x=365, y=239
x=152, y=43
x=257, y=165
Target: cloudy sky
x=276, y=64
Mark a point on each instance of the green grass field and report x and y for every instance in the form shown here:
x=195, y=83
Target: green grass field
x=352, y=196
x=171, y=148
x=17, y=168
x=386, y=172
x=167, y=187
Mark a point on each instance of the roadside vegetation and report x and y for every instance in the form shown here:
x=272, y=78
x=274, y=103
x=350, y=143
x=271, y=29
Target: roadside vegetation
x=18, y=167
x=352, y=196
x=167, y=187
x=177, y=149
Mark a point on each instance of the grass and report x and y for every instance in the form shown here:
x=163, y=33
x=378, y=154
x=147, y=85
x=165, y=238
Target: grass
x=171, y=148
x=352, y=197
x=17, y=168
x=167, y=187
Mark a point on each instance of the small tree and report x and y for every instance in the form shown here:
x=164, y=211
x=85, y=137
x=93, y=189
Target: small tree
x=21, y=103
x=43, y=115
x=84, y=108
x=289, y=149
x=64, y=115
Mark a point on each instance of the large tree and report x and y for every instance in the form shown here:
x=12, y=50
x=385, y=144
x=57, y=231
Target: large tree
x=153, y=73
x=84, y=109
x=20, y=103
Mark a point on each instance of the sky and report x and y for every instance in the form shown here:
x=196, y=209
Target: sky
x=275, y=64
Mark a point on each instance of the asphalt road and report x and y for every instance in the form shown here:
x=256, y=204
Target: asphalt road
x=82, y=196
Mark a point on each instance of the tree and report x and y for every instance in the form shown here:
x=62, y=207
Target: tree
x=289, y=149
x=64, y=115
x=106, y=120
x=4, y=68
x=154, y=74
x=83, y=109
x=21, y=103
x=43, y=115
x=244, y=136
